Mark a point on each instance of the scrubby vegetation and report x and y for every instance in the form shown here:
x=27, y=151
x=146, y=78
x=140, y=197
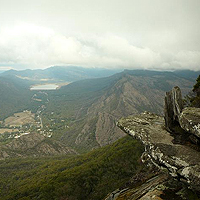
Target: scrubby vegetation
x=193, y=98
x=195, y=101
x=89, y=176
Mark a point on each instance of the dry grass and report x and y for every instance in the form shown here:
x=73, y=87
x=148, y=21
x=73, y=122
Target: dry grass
x=3, y=130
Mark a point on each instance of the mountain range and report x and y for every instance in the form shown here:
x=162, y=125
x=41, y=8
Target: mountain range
x=92, y=107
x=85, y=112
x=71, y=147
x=60, y=74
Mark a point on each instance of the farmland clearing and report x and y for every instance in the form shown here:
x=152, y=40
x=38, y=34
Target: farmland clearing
x=19, y=119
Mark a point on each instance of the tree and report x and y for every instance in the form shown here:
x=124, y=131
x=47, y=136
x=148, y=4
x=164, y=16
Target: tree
x=195, y=101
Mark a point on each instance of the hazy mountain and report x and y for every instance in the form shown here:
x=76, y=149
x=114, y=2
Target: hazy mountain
x=60, y=74
x=188, y=74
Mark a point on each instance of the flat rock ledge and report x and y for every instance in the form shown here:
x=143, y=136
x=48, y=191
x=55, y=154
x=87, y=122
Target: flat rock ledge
x=181, y=161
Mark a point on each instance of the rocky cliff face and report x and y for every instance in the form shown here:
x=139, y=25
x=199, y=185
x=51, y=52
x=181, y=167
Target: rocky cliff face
x=171, y=144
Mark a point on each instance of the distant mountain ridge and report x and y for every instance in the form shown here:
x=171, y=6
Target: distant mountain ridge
x=61, y=73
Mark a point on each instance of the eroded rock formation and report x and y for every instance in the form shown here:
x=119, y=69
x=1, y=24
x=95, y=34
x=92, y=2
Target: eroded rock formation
x=173, y=107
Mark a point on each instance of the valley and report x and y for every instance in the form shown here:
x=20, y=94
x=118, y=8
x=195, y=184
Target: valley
x=88, y=176
x=20, y=124
x=65, y=143
x=99, y=100
x=82, y=115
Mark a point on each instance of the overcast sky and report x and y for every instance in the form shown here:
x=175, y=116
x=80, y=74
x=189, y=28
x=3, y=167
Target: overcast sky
x=132, y=34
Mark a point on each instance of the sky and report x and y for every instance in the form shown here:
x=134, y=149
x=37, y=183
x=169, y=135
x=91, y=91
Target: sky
x=125, y=34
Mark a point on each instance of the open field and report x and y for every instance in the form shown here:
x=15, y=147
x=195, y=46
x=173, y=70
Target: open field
x=20, y=119
x=9, y=130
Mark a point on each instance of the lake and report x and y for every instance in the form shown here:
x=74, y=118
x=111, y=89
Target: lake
x=44, y=87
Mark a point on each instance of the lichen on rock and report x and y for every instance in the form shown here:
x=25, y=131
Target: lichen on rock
x=189, y=120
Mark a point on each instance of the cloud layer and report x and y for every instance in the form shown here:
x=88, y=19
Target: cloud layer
x=116, y=34
x=39, y=47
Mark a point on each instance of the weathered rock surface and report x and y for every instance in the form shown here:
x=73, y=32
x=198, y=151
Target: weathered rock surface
x=181, y=161
x=159, y=187
x=189, y=120
x=173, y=107
x=143, y=192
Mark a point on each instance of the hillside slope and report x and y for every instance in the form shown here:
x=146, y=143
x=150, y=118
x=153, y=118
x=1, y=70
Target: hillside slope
x=33, y=145
x=90, y=176
x=14, y=96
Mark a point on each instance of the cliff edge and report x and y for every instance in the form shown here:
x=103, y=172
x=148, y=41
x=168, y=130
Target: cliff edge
x=171, y=144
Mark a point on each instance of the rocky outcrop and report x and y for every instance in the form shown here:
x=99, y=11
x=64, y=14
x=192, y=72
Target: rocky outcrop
x=170, y=145
x=173, y=107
